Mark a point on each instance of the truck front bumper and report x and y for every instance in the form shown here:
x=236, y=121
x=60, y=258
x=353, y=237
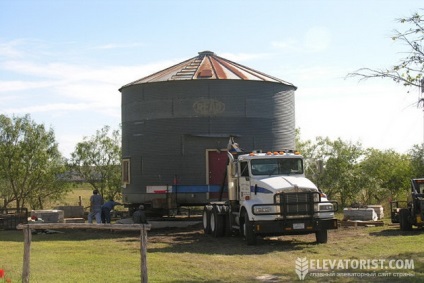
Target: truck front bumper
x=293, y=226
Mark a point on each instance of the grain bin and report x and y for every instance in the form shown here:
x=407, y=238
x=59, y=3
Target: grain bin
x=176, y=125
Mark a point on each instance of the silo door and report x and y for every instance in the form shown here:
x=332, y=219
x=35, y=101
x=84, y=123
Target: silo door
x=217, y=167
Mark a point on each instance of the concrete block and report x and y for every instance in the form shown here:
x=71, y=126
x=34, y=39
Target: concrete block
x=364, y=214
x=70, y=211
x=49, y=216
x=74, y=220
x=378, y=210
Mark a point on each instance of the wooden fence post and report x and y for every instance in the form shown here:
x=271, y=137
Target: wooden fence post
x=27, y=254
x=143, y=251
x=143, y=228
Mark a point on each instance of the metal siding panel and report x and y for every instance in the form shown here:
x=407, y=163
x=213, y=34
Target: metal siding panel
x=284, y=119
x=259, y=108
x=156, y=109
x=160, y=126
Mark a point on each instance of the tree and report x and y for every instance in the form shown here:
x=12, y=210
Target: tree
x=30, y=163
x=341, y=170
x=314, y=155
x=333, y=166
x=416, y=155
x=386, y=175
x=410, y=70
x=98, y=161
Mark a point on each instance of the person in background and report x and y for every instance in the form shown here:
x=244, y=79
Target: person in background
x=96, y=202
x=139, y=216
x=106, y=208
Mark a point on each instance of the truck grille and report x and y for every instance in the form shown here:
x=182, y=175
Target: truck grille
x=298, y=204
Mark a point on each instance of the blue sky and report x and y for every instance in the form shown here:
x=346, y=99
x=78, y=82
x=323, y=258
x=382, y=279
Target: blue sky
x=64, y=61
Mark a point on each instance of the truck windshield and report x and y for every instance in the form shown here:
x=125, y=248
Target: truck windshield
x=277, y=166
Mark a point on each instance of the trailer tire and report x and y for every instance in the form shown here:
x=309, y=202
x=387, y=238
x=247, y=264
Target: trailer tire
x=217, y=223
x=404, y=223
x=206, y=219
x=247, y=229
x=321, y=236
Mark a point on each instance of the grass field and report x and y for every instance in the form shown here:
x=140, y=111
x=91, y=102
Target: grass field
x=83, y=192
x=187, y=255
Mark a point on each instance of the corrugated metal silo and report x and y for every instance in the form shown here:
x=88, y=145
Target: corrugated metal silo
x=176, y=124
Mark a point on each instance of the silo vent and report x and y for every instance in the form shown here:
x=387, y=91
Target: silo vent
x=207, y=73
x=206, y=53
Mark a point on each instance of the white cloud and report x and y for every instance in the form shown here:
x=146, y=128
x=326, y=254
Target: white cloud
x=289, y=44
x=56, y=89
x=43, y=70
x=10, y=49
x=49, y=107
x=11, y=86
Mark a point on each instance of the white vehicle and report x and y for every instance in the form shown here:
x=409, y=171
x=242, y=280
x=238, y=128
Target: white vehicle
x=268, y=194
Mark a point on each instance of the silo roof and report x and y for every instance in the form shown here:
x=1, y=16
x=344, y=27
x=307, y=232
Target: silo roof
x=208, y=66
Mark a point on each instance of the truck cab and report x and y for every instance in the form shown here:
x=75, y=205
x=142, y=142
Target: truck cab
x=269, y=195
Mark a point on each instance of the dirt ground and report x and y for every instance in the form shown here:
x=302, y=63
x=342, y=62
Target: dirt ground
x=194, y=236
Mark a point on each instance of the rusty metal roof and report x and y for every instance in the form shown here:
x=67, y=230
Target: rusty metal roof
x=208, y=66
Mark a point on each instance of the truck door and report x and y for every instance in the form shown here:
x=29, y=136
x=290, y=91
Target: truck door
x=244, y=180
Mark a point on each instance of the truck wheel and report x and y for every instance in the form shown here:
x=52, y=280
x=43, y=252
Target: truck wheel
x=321, y=236
x=228, y=229
x=206, y=216
x=404, y=223
x=217, y=223
x=247, y=229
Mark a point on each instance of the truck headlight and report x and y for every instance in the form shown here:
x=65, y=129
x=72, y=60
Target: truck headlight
x=262, y=209
x=326, y=207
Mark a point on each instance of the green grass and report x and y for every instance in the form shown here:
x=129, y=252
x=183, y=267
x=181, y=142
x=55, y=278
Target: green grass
x=73, y=197
x=81, y=192
x=187, y=255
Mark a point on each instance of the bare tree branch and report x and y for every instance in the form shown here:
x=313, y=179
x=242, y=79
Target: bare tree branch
x=410, y=71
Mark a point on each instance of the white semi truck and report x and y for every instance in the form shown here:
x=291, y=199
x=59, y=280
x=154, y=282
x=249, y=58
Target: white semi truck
x=269, y=195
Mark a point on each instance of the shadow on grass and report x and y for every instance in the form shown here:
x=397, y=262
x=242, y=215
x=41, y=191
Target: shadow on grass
x=67, y=235
x=174, y=240
x=391, y=232
x=197, y=242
